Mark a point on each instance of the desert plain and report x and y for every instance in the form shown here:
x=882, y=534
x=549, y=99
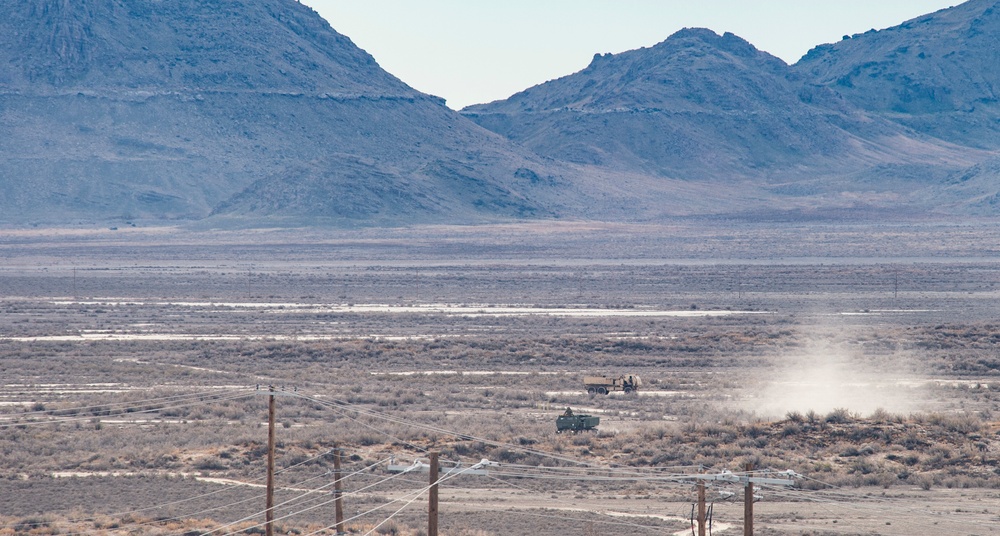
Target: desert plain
x=136, y=364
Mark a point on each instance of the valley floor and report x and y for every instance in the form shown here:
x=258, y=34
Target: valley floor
x=136, y=365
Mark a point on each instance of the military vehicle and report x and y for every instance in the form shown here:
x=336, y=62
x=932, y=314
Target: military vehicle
x=603, y=385
x=571, y=422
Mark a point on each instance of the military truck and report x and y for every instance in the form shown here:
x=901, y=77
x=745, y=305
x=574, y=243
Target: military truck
x=602, y=385
x=571, y=422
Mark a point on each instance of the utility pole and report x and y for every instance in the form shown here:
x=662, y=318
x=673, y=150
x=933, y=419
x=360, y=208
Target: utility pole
x=701, y=508
x=432, y=506
x=747, y=480
x=434, y=469
x=269, y=513
x=748, y=503
x=338, y=491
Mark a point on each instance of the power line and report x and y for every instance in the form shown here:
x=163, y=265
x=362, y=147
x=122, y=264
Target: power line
x=580, y=471
x=310, y=508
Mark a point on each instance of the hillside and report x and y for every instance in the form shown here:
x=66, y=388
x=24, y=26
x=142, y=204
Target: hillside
x=702, y=106
x=140, y=109
x=936, y=74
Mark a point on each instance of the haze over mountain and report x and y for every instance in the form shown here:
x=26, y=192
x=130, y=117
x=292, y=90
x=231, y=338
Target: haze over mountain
x=256, y=112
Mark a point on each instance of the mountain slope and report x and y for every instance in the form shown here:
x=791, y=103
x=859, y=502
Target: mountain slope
x=974, y=191
x=131, y=109
x=936, y=74
x=709, y=107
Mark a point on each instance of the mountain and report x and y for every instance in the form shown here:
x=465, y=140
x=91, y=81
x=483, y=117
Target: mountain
x=256, y=112
x=240, y=109
x=703, y=106
x=936, y=74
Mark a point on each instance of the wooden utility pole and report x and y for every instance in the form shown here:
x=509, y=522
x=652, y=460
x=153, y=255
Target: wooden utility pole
x=338, y=491
x=701, y=508
x=432, y=506
x=748, y=480
x=748, y=504
x=269, y=512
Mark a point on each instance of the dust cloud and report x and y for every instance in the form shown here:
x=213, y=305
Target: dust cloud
x=827, y=376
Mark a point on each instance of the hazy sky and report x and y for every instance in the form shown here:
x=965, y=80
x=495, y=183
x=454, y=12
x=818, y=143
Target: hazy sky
x=472, y=51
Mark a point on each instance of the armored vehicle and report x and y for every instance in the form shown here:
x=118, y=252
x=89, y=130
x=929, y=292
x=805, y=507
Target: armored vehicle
x=571, y=422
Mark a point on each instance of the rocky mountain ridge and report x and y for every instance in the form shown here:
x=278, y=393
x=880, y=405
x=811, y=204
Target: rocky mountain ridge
x=936, y=73
x=121, y=110
x=702, y=106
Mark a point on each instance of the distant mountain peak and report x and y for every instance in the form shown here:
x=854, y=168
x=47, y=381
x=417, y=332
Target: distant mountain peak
x=695, y=32
x=930, y=72
x=728, y=41
x=668, y=75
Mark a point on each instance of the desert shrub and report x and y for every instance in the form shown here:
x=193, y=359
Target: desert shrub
x=838, y=416
x=503, y=455
x=657, y=433
x=210, y=463
x=913, y=442
x=924, y=481
x=755, y=430
x=790, y=430
x=708, y=442
x=32, y=524
x=882, y=416
x=958, y=424
x=863, y=466
x=850, y=452
x=389, y=529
